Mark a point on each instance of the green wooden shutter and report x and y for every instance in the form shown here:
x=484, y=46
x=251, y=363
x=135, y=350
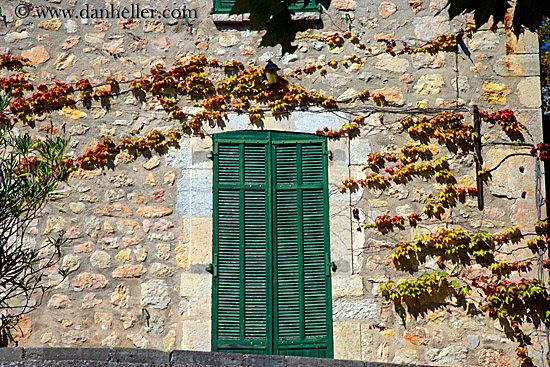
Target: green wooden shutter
x=302, y=294
x=300, y=5
x=241, y=241
x=224, y=6
x=271, y=227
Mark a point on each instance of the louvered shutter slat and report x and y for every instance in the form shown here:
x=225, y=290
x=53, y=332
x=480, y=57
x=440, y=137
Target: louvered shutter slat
x=288, y=284
x=254, y=164
x=229, y=250
x=312, y=165
x=229, y=163
x=301, y=246
x=286, y=165
x=241, y=248
x=286, y=244
x=314, y=265
x=255, y=264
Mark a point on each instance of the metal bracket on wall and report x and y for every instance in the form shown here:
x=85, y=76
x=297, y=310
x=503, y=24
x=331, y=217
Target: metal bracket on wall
x=478, y=158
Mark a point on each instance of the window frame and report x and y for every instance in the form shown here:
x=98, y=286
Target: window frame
x=219, y=7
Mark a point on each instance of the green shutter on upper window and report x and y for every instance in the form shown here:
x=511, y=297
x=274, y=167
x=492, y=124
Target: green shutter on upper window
x=300, y=5
x=240, y=253
x=224, y=6
x=302, y=294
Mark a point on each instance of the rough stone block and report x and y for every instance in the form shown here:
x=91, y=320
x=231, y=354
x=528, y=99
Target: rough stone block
x=306, y=16
x=195, y=193
x=528, y=42
x=196, y=335
x=201, y=240
x=278, y=122
x=155, y=293
x=347, y=286
x=358, y=242
x=483, y=41
x=354, y=309
x=494, y=92
x=429, y=84
x=429, y=27
x=336, y=173
x=386, y=62
x=197, y=307
x=507, y=180
x=308, y=122
x=237, y=121
x=340, y=238
x=359, y=148
x=339, y=150
x=196, y=285
x=347, y=340
x=529, y=93
x=532, y=119
x=336, y=199
x=181, y=157
x=368, y=351
x=517, y=65
x=227, y=18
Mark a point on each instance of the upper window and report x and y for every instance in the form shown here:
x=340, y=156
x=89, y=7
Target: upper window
x=224, y=6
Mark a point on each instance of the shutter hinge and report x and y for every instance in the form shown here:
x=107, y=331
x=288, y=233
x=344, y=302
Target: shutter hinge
x=210, y=155
x=329, y=154
x=330, y=266
x=212, y=270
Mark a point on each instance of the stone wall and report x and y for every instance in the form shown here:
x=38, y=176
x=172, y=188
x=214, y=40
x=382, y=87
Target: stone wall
x=141, y=230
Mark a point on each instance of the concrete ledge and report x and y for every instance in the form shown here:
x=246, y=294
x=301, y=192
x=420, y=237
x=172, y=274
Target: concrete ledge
x=264, y=361
x=64, y=354
x=11, y=354
x=321, y=362
x=134, y=355
x=190, y=358
x=130, y=357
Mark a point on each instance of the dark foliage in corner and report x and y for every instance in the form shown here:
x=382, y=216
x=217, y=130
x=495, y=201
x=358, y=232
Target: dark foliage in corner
x=276, y=17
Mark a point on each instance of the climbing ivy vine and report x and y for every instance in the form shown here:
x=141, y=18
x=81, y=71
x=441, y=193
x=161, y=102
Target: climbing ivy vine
x=514, y=303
